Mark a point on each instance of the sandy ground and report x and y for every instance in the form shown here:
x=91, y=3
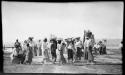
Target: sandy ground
x=104, y=64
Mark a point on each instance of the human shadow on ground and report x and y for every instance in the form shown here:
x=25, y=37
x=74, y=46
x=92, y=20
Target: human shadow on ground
x=96, y=63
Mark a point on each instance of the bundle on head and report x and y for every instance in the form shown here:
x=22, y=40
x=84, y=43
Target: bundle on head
x=100, y=42
x=30, y=38
x=77, y=38
x=59, y=41
x=45, y=40
x=70, y=40
x=25, y=41
x=88, y=34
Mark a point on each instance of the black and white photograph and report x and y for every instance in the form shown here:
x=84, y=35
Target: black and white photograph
x=66, y=38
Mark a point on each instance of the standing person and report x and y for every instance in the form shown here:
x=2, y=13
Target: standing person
x=59, y=51
x=95, y=48
x=104, y=47
x=88, y=56
x=66, y=50
x=61, y=48
x=78, y=47
x=45, y=51
x=70, y=50
x=17, y=45
x=39, y=50
x=49, y=50
x=32, y=45
x=29, y=55
x=25, y=45
x=100, y=48
x=53, y=50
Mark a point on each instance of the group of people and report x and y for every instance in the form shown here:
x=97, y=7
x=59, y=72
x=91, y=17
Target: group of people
x=59, y=50
x=100, y=47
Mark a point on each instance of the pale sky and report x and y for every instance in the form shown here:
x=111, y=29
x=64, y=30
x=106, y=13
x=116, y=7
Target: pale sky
x=23, y=19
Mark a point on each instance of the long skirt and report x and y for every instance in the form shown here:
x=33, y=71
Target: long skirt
x=70, y=54
x=54, y=56
x=61, y=57
x=39, y=51
x=88, y=54
x=35, y=51
x=46, y=55
x=104, y=50
x=29, y=56
x=79, y=53
x=101, y=50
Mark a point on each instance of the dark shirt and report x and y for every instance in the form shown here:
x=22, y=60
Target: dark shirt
x=53, y=47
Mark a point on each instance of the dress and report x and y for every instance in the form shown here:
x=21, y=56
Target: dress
x=39, y=50
x=45, y=53
x=29, y=55
x=59, y=52
x=61, y=49
x=32, y=45
x=78, y=46
x=70, y=51
x=53, y=51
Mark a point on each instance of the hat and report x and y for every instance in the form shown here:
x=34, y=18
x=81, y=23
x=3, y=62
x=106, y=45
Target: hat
x=30, y=38
x=45, y=40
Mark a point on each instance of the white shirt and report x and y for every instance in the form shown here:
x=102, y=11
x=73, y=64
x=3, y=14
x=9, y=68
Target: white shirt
x=87, y=43
x=70, y=46
x=44, y=45
x=78, y=44
x=59, y=46
x=39, y=44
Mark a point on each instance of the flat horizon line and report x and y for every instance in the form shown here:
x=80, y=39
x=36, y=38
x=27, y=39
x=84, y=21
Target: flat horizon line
x=95, y=39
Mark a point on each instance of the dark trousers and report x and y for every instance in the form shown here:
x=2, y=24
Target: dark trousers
x=79, y=53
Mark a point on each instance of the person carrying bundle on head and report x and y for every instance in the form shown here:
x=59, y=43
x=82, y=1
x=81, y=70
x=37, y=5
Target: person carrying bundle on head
x=45, y=51
x=78, y=47
x=39, y=49
x=53, y=48
x=88, y=56
x=29, y=55
x=70, y=49
x=17, y=45
x=104, y=47
x=61, y=48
